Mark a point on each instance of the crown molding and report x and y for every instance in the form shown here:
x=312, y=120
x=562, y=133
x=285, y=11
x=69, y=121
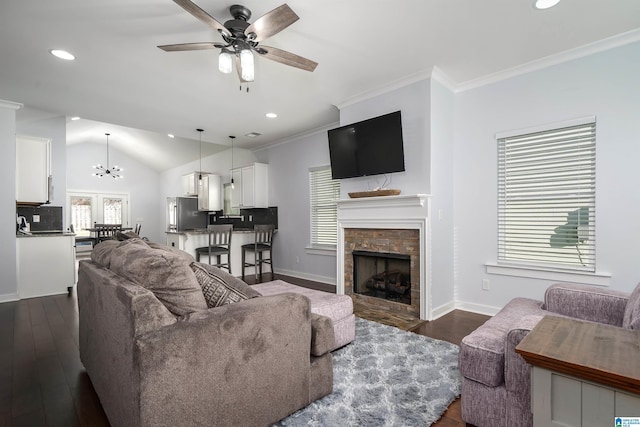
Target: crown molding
x=298, y=136
x=386, y=88
x=555, y=59
x=10, y=105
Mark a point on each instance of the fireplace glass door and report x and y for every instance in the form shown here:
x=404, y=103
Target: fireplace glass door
x=382, y=275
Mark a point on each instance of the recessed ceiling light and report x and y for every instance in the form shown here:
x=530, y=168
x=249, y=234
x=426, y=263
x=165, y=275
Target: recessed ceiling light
x=170, y=135
x=271, y=115
x=75, y=118
x=62, y=54
x=253, y=134
x=544, y=4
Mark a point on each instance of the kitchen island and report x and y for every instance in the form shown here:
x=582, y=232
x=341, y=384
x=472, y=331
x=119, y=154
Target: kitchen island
x=46, y=264
x=189, y=240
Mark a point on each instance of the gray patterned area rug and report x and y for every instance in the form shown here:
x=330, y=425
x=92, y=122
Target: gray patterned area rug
x=386, y=377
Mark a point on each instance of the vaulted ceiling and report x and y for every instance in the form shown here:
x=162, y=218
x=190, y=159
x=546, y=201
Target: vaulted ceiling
x=121, y=78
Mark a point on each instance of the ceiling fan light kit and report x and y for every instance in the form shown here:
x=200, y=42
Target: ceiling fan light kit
x=225, y=62
x=242, y=39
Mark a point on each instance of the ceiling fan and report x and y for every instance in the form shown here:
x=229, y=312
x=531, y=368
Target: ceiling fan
x=241, y=38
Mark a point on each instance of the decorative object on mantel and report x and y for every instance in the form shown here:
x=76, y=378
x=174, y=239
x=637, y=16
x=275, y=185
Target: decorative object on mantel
x=374, y=193
x=106, y=171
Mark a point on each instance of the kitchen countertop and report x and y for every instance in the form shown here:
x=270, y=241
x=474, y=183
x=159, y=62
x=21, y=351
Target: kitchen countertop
x=45, y=234
x=205, y=231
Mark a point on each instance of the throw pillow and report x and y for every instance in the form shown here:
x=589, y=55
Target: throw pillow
x=219, y=287
x=164, y=273
x=631, y=318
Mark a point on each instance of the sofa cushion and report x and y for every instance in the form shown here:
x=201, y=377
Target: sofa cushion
x=164, y=273
x=101, y=253
x=185, y=255
x=631, y=318
x=328, y=304
x=482, y=351
x=219, y=287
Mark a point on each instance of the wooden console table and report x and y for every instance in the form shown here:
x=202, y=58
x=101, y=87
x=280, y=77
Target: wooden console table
x=583, y=373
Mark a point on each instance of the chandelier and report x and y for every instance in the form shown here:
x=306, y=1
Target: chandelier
x=106, y=171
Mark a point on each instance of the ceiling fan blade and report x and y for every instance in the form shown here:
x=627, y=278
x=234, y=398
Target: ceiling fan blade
x=286, y=58
x=191, y=46
x=272, y=23
x=203, y=16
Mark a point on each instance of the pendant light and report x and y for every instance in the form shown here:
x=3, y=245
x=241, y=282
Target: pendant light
x=107, y=171
x=200, y=169
x=232, y=137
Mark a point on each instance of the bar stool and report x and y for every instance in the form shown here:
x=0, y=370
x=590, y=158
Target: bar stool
x=219, y=244
x=263, y=242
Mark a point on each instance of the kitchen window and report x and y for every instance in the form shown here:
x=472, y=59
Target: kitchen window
x=546, y=197
x=324, y=192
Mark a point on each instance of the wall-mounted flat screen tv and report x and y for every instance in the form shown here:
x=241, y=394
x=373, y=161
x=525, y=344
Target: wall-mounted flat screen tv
x=369, y=147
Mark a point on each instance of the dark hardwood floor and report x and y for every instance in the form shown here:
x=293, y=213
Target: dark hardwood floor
x=43, y=382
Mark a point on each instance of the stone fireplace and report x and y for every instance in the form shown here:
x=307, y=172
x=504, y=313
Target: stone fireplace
x=392, y=232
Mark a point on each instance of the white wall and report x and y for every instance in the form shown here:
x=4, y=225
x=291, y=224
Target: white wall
x=289, y=190
x=413, y=101
x=605, y=85
x=441, y=216
x=9, y=282
x=140, y=182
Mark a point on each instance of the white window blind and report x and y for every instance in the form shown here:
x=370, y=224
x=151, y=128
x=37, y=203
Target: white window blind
x=546, y=197
x=324, y=192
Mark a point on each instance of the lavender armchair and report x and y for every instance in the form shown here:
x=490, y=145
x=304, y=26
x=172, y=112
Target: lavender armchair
x=496, y=380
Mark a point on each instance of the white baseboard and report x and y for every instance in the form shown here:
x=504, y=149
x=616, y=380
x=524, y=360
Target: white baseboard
x=307, y=276
x=9, y=297
x=442, y=310
x=487, y=310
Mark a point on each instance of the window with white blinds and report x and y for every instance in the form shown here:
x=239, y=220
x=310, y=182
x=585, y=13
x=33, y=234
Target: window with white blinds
x=324, y=192
x=546, y=197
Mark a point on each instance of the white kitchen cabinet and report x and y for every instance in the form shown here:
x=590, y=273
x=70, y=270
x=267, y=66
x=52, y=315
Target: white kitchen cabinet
x=191, y=183
x=33, y=169
x=251, y=186
x=210, y=193
x=46, y=265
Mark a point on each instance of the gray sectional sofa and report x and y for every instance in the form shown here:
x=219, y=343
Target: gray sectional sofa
x=157, y=356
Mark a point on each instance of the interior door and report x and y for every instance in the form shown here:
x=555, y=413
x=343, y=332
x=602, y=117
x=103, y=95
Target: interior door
x=87, y=208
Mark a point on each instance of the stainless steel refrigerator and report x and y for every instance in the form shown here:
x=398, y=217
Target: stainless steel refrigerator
x=183, y=214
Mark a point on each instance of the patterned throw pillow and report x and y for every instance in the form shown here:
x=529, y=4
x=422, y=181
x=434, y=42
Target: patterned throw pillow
x=219, y=287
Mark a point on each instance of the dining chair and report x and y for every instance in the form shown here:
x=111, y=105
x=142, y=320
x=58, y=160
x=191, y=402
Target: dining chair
x=219, y=244
x=137, y=229
x=263, y=242
x=106, y=231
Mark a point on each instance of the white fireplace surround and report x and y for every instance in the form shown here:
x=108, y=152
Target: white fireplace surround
x=388, y=212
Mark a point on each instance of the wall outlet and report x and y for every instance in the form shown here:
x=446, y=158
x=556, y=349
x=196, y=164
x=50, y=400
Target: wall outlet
x=35, y=218
x=485, y=284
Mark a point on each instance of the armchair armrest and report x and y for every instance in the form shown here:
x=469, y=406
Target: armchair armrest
x=586, y=302
x=241, y=364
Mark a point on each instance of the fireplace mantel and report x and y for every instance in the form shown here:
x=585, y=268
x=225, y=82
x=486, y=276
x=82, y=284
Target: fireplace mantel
x=387, y=212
